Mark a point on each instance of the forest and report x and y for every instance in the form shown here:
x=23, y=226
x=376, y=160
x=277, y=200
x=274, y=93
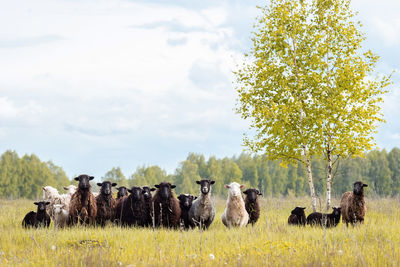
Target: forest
x=24, y=177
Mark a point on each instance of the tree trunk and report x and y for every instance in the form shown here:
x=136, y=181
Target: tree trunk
x=310, y=181
x=329, y=180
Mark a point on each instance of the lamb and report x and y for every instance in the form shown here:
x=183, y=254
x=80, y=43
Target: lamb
x=148, y=204
x=105, y=203
x=122, y=191
x=297, y=217
x=317, y=218
x=235, y=213
x=131, y=209
x=202, y=212
x=39, y=218
x=252, y=204
x=185, y=202
x=167, y=211
x=353, y=204
x=60, y=215
x=83, y=208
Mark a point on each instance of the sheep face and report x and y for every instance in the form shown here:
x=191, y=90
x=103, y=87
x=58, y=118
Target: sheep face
x=57, y=209
x=186, y=200
x=147, y=192
x=165, y=190
x=234, y=189
x=205, y=185
x=84, y=183
x=298, y=211
x=136, y=193
x=252, y=194
x=70, y=189
x=122, y=191
x=41, y=205
x=336, y=211
x=358, y=188
x=106, y=187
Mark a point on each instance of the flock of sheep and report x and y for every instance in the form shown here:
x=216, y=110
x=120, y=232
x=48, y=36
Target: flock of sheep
x=138, y=207
x=352, y=208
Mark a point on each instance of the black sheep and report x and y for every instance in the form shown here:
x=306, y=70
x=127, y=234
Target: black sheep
x=122, y=191
x=185, y=202
x=317, y=218
x=297, y=217
x=130, y=210
x=39, y=218
x=252, y=204
x=148, y=204
x=105, y=203
x=166, y=207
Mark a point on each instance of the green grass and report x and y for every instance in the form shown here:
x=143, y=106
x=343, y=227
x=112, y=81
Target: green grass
x=270, y=242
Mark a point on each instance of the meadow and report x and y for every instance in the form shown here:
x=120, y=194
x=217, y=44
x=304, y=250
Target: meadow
x=270, y=242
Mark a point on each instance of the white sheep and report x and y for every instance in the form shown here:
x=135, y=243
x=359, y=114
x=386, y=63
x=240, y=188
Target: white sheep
x=60, y=215
x=66, y=198
x=51, y=195
x=235, y=213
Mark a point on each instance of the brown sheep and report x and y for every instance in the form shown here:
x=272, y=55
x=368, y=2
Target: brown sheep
x=105, y=203
x=352, y=205
x=252, y=204
x=167, y=211
x=83, y=208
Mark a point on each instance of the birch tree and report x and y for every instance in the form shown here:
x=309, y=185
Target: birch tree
x=304, y=85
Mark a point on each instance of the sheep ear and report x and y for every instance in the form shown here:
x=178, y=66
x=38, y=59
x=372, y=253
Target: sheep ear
x=227, y=186
x=76, y=178
x=36, y=203
x=212, y=182
x=47, y=203
x=114, y=184
x=173, y=186
x=43, y=188
x=179, y=197
x=118, y=188
x=157, y=186
x=198, y=182
x=365, y=185
x=99, y=184
x=303, y=208
x=194, y=198
x=259, y=193
x=91, y=177
x=130, y=191
x=245, y=192
x=241, y=186
x=65, y=188
x=153, y=189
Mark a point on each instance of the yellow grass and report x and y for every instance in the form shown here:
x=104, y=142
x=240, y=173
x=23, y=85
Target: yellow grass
x=270, y=242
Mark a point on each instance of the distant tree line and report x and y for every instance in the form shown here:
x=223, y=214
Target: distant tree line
x=25, y=176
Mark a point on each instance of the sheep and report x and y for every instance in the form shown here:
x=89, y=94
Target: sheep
x=252, y=204
x=167, y=211
x=353, y=204
x=71, y=189
x=131, y=209
x=185, y=202
x=105, y=203
x=297, y=217
x=83, y=208
x=40, y=218
x=317, y=218
x=148, y=204
x=235, y=213
x=51, y=195
x=122, y=191
x=202, y=212
x=60, y=215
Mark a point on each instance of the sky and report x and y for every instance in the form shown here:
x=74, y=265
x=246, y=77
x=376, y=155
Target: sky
x=93, y=85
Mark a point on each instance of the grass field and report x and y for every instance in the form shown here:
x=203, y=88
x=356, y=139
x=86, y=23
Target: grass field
x=270, y=242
